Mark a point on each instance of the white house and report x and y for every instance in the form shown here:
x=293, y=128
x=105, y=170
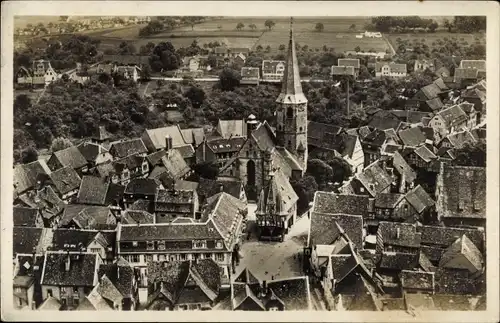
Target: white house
x=388, y=69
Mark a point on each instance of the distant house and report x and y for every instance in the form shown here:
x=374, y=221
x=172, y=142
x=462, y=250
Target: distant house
x=461, y=195
x=423, y=64
x=186, y=285
x=69, y=277
x=273, y=70
x=139, y=188
x=164, y=138
x=98, y=242
x=231, y=52
x=250, y=76
x=65, y=182
x=170, y=204
x=373, y=180
x=68, y=157
x=129, y=72
x=124, y=60
x=338, y=71
x=94, y=153
x=125, y=148
x=42, y=73
x=210, y=187
x=231, y=128
x=398, y=245
x=27, y=217
x=219, y=150
x=387, y=69
x=354, y=62
x=121, y=171
x=371, y=34
x=394, y=207
x=87, y=217
x=429, y=98
x=447, y=121
x=26, y=176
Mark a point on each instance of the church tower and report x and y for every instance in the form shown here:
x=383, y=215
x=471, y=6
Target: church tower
x=291, y=113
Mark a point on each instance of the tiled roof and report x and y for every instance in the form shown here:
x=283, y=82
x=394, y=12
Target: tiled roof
x=175, y=164
x=462, y=247
x=50, y=304
x=425, y=153
x=65, y=180
x=463, y=192
x=402, y=167
x=70, y=157
x=114, y=194
x=435, y=104
x=445, y=236
x=174, y=232
x=326, y=202
x=82, y=269
x=25, y=240
x=269, y=66
x=431, y=91
x=242, y=293
x=210, y=187
x=398, y=260
x=460, y=139
x=182, y=185
x=395, y=68
x=388, y=200
x=143, y=186
x=157, y=136
x=91, y=150
x=440, y=83
x=155, y=158
x=102, y=134
x=25, y=216
x=93, y=190
x=264, y=137
x=417, y=280
x=186, y=151
x=226, y=212
x=412, y=136
x=120, y=275
x=231, y=128
x=100, y=214
x=452, y=114
x=284, y=160
x=136, y=216
x=193, y=136
x=46, y=200
x=419, y=199
x=122, y=149
x=245, y=276
x=383, y=123
x=399, y=234
x=374, y=178
x=25, y=175
x=294, y=292
x=324, y=229
x=452, y=281
x=72, y=240
x=473, y=64
x=465, y=73
x=142, y=205
x=354, y=62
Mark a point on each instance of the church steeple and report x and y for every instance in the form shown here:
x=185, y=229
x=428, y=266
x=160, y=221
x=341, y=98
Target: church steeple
x=291, y=89
x=291, y=113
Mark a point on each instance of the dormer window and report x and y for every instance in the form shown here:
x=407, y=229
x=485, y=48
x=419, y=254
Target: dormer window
x=150, y=245
x=161, y=245
x=461, y=205
x=135, y=243
x=218, y=244
x=199, y=244
x=476, y=206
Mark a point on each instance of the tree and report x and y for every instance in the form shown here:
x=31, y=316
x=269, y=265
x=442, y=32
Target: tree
x=229, y=79
x=319, y=27
x=29, y=155
x=447, y=24
x=219, y=27
x=469, y=24
x=282, y=47
x=196, y=95
x=240, y=26
x=341, y=169
x=305, y=189
x=208, y=170
x=321, y=171
x=352, y=27
x=433, y=26
x=63, y=18
x=357, y=49
x=252, y=26
x=259, y=48
x=60, y=143
x=268, y=49
x=471, y=155
x=269, y=24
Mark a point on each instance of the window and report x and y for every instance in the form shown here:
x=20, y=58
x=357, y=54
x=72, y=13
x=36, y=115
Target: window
x=273, y=308
x=149, y=258
x=95, y=250
x=49, y=292
x=135, y=258
x=289, y=112
x=161, y=245
x=218, y=244
x=219, y=257
x=183, y=256
x=135, y=243
x=199, y=244
x=300, y=128
x=76, y=302
x=75, y=290
x=63, y=301
x=161, y=257
x=150, y=245
x=208, y=255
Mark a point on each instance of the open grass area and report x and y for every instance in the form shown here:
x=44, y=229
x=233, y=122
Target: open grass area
x=430, y=38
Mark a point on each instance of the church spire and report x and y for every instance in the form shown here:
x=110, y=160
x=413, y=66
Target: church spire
x=291, y=89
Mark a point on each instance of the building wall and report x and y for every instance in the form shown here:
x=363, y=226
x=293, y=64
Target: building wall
x=291, y=129
x=96, y=247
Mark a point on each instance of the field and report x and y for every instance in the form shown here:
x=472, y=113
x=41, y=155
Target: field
x=23, y=21
x=430, y=38
x=336, y=33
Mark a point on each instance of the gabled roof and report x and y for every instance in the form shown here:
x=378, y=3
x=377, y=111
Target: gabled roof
x=374, y=178
x=465, y=73
x=65, y=180
x=142, y=186
x=175, y=164
x=463, y=192
x=242, y=292
x=462, y=247
x=388, y=200
x=136, y=217
x=269, y=66
x=25, y=175
x=120, y=277
x=440, y=83
x=250, y=72
x=435, y=104
x=445, y=236
x=354, y=62
x=327, y=227
x=231, y=128
x=193, y=136
x=91, y=150
x=419, y=199
x=473, y=64
x=99, y=214
x=343, y=70
x=402, y=167
x=398, y=260
x=431, y=91
x=93, y=190
x=82, y=269
x=210, y=187
x=383, y=123
x=122, y=149
x=246, y=277
x=411, y=279
x=395, y=67
x=451, y=114
x=157, y=136
x=460, y=139
x=293, y=292
x=155, y=158
x=46, y=200
x=70, y=157
x=50, y=304
x=102, y=134
x=75, y=239
x=424, y=153
x=25, y=239
x=327, y=202
x=399, y=234
x=412, y=137
x=174, y=232
x=25, y=216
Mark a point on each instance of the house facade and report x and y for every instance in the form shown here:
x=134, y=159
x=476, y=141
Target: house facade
x=387, y=69
x=273, y=70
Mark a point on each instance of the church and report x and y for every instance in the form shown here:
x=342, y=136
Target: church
x=269, y=157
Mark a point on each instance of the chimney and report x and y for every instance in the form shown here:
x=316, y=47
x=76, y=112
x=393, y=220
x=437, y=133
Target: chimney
x=221, y=188
x=264, y=288
x=398, y=233
x=118, y=272
x=67, y=263
x=33, y=305
x=168, y=143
